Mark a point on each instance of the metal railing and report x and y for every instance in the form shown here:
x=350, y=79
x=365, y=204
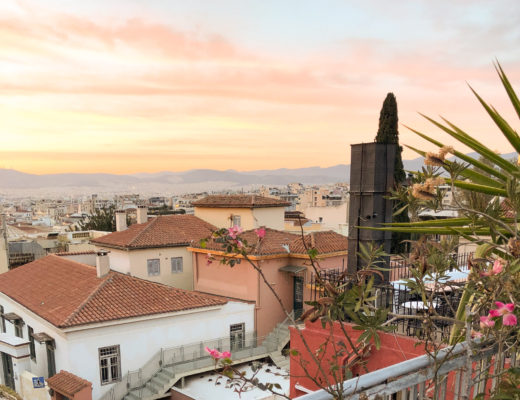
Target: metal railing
x=400, y=268
x=193, y=356
x=462, y=371
x=442, y=299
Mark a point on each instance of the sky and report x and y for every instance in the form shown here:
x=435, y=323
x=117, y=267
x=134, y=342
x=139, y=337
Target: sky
x=127, y=86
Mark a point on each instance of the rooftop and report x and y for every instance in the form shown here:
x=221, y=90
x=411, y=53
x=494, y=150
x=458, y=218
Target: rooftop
x=68, y=384
x=162, y=231
x=239, y=201
x=68, y=293
x=283, y=243
x=325, y=242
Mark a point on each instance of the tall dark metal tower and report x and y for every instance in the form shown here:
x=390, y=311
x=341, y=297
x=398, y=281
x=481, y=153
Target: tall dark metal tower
x=371, y=179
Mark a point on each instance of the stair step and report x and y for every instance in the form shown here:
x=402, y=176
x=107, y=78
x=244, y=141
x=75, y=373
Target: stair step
x=154, y=385
x=168, y=371
x=163, y=376
x=131, y=396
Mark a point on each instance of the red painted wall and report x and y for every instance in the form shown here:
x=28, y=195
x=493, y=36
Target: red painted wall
x=394, y=349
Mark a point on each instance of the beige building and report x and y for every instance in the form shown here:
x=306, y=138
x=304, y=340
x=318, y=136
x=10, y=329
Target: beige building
x=156, y=250
x=247, y=211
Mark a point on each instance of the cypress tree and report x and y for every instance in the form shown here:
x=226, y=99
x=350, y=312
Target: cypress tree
x=388, y=133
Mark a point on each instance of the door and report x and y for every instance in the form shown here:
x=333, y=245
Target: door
x=237, y=336
x=7, y=363
x=298, y=296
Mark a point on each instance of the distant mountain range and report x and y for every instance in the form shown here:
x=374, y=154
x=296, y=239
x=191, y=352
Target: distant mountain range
x=17, y=183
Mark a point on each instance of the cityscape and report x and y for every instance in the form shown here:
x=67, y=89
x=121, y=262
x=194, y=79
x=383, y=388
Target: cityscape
x=259, y=200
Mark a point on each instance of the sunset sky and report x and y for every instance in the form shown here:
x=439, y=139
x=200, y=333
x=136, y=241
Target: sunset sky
x=125, y=86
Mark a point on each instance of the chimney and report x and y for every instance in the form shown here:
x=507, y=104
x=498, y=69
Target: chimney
x=102, y=263
x=120, y=220
x=142, y=214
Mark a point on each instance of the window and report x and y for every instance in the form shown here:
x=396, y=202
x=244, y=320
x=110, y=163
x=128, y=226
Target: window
x=18, y=328
x=154, y=267
x=109, y=364
x=2, y=319
x=236, y=220
x=176, y=265
x=32, y=348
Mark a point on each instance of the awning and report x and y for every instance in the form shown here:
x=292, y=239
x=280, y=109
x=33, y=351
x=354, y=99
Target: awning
x=42, y=337
x=293, y=269
x=12, y=317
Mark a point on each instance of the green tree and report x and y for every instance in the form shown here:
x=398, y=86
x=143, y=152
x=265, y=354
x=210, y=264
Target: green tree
x=103, y=219
x=388, y=133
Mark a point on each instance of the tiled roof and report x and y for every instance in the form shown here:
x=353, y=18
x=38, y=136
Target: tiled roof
x=272, y=243
x=68, y=384
x=324, y=242
x=239, y=201
x=68, y=293
x=163, y=231
x=279, y=242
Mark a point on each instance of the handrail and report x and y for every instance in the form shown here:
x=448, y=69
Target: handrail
x=177, y=355
x=406, y=368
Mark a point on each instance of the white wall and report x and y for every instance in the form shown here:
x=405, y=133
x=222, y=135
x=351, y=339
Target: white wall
x=250, y=218
x=333, y=217
x=135, y=263
x=89, y=259
x=39, y=366
x=139, y=339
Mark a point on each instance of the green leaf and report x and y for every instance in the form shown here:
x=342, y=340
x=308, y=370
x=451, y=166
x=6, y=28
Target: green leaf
x=509, y=89
x=506, y=129
x=494, y=191
x=476, y=163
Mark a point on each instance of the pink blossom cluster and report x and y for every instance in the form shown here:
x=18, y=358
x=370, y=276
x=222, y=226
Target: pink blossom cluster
x=234, y=231
x=503, y=310
x=260, y=232
x=497, y=268
x=217, y=355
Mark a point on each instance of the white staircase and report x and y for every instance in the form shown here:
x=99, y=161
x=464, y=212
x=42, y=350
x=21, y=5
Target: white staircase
x=170, y=365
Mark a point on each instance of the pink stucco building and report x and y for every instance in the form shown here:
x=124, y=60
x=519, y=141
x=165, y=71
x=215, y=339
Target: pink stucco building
x=282, y=257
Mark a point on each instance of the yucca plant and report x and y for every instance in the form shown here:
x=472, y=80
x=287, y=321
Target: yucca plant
x=487, y=205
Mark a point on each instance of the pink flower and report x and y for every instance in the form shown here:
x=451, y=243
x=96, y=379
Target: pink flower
x=475, y=334
x=226, y=354
x=486, y=322
x=504, y=308
x=217, y=355
x=506, y=312
x=509, y=320
x=213, y=353
x=234, y=231
x=239, y=244
x=260, y=232
x=497, y=267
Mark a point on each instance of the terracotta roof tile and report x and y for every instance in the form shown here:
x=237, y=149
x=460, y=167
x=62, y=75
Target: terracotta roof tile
x=68, y=384
x=239, y=201
x=163, y=231
x=272, y=243
x=68, y=293
x=324, y=242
